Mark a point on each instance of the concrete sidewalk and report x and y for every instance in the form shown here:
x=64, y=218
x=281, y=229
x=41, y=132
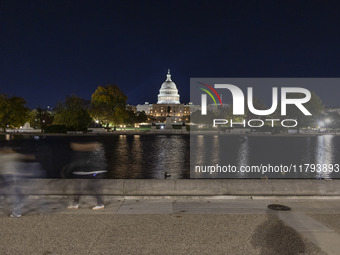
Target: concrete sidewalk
x=173, y=225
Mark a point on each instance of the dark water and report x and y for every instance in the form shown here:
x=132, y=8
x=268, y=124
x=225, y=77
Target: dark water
x=149, y=156
x=126, y=156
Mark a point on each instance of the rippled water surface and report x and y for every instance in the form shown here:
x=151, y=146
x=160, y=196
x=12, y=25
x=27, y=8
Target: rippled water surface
x=125, y=156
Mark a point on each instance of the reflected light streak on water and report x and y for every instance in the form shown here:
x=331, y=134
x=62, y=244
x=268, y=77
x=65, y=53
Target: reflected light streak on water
x=324, y=154
x=198, y=142
x=160, y=158
x=214, y=150
x=170, y=153
x=200, y=149
x=243, y=155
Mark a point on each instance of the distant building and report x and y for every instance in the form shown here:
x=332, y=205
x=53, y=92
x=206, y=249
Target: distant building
x=131, y=107
x=180, y=112
x=168, y=104
x=193, y=107
x=147, y=108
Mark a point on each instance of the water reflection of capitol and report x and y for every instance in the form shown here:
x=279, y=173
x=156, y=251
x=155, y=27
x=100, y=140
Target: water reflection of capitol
x=168, y=104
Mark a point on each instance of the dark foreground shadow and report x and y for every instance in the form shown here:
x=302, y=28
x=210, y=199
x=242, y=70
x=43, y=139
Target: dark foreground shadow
x=274, y=237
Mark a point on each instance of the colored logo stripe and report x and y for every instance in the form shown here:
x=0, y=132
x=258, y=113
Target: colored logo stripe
x=209, y=94
x=213, y=91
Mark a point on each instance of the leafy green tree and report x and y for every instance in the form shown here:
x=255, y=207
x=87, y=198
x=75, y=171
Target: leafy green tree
x=223, y=112
x=108, y=105
x=133, y=118
x=197, y=118
x=73, y=113
x=141, y=117
x=13, y=112
x=41, y=118
x=314, y=106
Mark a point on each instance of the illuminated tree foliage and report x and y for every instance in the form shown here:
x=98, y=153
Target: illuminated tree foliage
x=197, y=118
x=314, y=106
x=108, y=105
x=41, y=118
x=73, y=114
x=13, y=112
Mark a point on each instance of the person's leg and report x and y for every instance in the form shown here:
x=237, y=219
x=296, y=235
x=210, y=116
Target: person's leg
x=76, y=195
x=17, y=196
x=95, y=184
x=75, y=203
x=18, y=199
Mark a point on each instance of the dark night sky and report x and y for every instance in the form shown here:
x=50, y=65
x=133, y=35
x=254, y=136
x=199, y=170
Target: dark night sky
x=53, y=48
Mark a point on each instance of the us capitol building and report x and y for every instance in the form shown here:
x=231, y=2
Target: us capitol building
x=168, y=104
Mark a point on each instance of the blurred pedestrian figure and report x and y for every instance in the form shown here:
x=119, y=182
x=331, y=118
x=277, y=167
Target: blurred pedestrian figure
x=87, y=163
x=10, y=169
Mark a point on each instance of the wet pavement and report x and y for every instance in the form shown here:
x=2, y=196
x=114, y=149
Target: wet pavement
x=168, y=225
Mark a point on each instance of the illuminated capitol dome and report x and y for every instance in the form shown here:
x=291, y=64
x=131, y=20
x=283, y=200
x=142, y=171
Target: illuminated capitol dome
x=168, y=94
x=168, y=105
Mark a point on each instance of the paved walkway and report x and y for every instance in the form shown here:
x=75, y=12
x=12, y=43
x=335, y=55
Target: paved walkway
x=172, y=226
